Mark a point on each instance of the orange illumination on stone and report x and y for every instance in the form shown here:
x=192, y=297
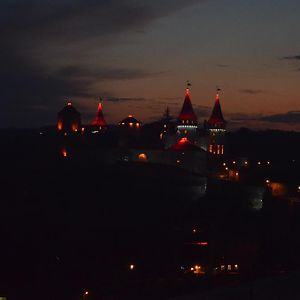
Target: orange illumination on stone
x=59, y=125
x=142, y=157
x=64, y=152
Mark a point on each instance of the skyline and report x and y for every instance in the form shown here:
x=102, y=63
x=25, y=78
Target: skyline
x=138, y=56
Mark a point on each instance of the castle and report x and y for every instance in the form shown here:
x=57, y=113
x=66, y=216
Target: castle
x=180, y=142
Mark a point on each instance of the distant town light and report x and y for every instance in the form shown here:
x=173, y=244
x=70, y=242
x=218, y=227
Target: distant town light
x=131, y=267
x=64, y=152
x=226, y=168
x=202, y=243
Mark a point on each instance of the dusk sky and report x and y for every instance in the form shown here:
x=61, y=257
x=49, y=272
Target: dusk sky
x=138, y=56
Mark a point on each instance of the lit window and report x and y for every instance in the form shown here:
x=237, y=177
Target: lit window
x=229, y=267
x=142, y=157
x=222, y=267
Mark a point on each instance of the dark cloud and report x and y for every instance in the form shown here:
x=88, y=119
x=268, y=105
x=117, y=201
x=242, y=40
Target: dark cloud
x=292, y=117
x=26, y=85
x=293, y=57
x=37, y=29
x=251, y=91
x=289, y=121
x=289, y=117
x=69, y=20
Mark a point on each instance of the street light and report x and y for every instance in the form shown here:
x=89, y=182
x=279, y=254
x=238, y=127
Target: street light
x=85, y=294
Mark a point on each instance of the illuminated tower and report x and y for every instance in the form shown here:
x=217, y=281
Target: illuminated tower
x=187, y=123
x=99, y=122
x=69, y=120
x=216, y=125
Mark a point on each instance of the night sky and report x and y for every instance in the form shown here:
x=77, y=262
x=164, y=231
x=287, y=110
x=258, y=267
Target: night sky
x=139, y=54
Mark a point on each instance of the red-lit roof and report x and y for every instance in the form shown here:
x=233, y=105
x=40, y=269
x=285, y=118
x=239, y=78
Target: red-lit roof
x=216, y=119
x=99, y=119
x=184, y=145
x=187, y=111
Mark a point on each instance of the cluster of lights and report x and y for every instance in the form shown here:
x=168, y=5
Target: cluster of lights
x=217, y=130
x=229, y=267
x=186, y=126
x=261, y=163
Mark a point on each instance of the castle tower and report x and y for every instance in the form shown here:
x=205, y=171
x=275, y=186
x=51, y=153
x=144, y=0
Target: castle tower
x=99, y=120
x=69, y=120
x=187, y=122
x=216, y=125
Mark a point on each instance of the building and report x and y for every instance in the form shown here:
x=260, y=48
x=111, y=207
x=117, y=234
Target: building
x=187, y=155
x=98, y=123
x=187, y=122
x=69, y=120
x=216, y=126
x=130, y=123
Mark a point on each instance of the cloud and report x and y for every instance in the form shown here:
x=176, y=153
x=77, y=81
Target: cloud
x=72, y=20
x=292, y=57
x=291, y=117
x=251, y=91
x=289, y=121
x=48, y=36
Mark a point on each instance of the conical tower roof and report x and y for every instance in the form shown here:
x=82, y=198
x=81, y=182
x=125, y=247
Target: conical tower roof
x=99, y=119
x=216, y=119
x=187, y=112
